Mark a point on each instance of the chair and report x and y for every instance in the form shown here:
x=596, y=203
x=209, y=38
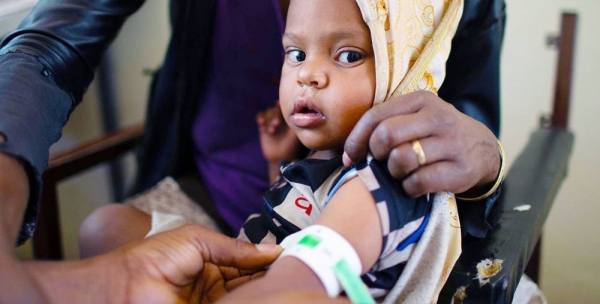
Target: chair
x=47, y=241
x=533, y=180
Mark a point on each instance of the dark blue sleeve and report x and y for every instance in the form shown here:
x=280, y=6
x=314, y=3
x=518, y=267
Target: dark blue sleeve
x=472, y=85
x=472, y=81
x=473, y=215
x=32, y=112
x=46, y=66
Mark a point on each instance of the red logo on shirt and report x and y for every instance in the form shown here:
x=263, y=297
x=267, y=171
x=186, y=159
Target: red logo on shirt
x=307, y=209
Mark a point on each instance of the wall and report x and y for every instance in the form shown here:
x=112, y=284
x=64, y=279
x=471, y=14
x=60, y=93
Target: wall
x=571, y=246
x=12, y=12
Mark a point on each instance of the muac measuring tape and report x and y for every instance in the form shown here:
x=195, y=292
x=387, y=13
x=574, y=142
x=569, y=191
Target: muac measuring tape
x=331, y=258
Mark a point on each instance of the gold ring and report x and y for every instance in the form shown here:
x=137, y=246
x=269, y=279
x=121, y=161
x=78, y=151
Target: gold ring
x=416, y=146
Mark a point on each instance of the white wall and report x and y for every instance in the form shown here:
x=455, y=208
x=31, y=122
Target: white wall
x=571, y=245
x=12, y=12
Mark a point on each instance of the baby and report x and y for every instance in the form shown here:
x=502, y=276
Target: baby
x=342, y=58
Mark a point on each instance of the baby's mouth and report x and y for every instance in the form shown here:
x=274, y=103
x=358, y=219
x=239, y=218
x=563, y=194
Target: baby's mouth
x=307, y=110
x=306, y=115
x=305, y=106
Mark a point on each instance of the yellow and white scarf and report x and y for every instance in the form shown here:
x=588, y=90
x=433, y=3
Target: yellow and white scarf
x=411, y=41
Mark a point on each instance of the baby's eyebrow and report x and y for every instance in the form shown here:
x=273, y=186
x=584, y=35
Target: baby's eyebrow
x=342, y=34
x=288, y=35
x=346, y=34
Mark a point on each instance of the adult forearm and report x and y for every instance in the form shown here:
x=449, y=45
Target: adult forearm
x=158, y=269
x=14, y=192
x=43, y=282
x=17, y=285
x=81, y=281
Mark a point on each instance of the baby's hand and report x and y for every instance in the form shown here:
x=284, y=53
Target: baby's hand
x=277, y=140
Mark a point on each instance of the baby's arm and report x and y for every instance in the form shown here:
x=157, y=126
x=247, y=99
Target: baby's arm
x=352, y=213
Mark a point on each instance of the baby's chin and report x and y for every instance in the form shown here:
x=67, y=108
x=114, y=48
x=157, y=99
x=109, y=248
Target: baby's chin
x=320, y=141
x=323, y=151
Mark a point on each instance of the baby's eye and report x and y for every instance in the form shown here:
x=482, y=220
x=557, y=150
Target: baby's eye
x=296, y=55
x=350, y=56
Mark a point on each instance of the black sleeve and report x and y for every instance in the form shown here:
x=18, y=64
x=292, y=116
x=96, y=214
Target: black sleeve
x=472, y=85
x=46, y=66
x=472, y=81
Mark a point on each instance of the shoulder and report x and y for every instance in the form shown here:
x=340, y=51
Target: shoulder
x=372, y=176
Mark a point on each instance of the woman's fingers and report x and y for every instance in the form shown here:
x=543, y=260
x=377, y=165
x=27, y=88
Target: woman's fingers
x=428, y=143
x=221, y=250
x=404, y=160
x=437, y=177
x=358, y=143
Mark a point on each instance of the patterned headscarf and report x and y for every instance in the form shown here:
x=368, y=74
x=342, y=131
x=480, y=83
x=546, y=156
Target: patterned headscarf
x=411, y=41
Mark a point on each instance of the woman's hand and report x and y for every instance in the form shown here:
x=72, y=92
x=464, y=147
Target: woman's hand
x=193, y=264
x=175, y=266
x=460, y=152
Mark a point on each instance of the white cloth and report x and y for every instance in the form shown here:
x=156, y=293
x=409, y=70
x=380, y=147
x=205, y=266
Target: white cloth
x=164, y=222
x=528, y=292
x=170, y=208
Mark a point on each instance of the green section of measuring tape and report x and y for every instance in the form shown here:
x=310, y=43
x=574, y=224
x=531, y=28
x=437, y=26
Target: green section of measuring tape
x=310, y=241
x=354, y=287
x=352, y=284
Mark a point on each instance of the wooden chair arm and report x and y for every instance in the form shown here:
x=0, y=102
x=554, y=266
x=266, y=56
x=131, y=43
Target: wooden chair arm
x=93, y=152
x=47, y=241
x=533, y=181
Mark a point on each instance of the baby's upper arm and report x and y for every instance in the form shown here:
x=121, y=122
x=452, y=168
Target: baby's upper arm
x=397, y=220
x=352, y=213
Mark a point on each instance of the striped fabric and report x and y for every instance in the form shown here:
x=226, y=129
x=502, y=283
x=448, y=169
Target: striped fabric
x=297, y=200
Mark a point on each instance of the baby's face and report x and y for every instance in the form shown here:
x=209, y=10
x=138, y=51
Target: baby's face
x=328, y=77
